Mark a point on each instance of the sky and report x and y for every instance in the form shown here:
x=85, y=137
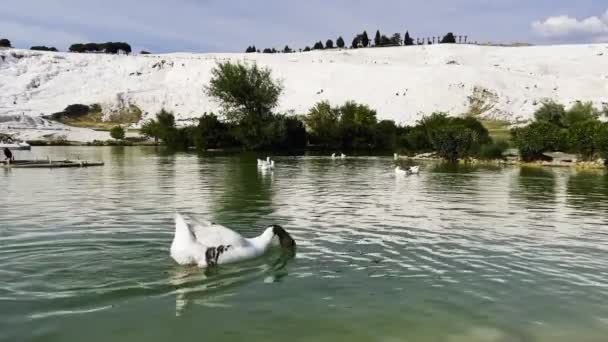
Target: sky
x=232, y=25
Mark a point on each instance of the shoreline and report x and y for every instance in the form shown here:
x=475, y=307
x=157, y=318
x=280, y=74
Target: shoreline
x=594, y=165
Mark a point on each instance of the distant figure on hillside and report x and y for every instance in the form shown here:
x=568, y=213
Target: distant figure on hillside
x=8, y=154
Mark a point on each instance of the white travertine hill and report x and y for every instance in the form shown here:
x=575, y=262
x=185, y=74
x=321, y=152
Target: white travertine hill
x=401, y=83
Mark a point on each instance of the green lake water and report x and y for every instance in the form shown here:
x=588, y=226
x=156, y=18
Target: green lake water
x=453, y=254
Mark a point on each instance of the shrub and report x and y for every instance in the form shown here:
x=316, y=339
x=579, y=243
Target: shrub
x=76, y=110
x=493, y=150
x=117, y=132
x=329, y=44
x=452, y=142
x=5, y=43
x=318, y=46
x=109, y=47
x=43, y=48
x=535, y=139
x=212, y=133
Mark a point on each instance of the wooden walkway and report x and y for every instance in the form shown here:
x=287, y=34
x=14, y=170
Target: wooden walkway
x=46, y=163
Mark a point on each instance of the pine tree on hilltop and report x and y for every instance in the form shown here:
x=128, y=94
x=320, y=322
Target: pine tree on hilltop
x=449, y=39
x=378, y=39
x=306, y=49
x=407, y=41
x=287, y=49
x=356, y=41
x=364, y=39
x=396, y=39
x=318, y=46
x=5, y=43
x=340, y=42
x=329, y=44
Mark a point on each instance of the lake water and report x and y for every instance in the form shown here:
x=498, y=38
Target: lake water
x=453, y=254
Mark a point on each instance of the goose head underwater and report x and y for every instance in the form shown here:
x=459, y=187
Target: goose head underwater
x=205, y=243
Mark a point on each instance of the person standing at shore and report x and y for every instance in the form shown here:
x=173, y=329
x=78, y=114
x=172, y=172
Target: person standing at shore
x=8, y=154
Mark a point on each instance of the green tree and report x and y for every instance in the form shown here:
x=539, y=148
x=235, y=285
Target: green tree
x=117, y=132
x=378, y=39
x=329, y=44
x=535, y=139
x=356, y=41
x=365, y=39
x=583, y=138
x=396, y=39
x=5, y=43
x=385, y=135
x=244, y=92
x=407, y=41
x=151, y=129
x=580, y=112
x=552, y=113
x=318, y=46
x=448, y=39
x=340, y=42
x=322, y=124
x=601, y=141
x=43, y=48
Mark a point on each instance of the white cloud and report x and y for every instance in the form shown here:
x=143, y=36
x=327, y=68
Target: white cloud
x=24, y=36
x=567, y=28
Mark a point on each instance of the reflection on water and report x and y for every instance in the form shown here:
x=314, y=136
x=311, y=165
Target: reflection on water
x=457, y=253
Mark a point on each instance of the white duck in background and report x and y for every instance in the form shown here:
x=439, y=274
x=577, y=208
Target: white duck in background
x=267, y=164
x=414, y=170
x=333, y=156
x=342, y=156
x=206, y=244
x=395, y=156
x=399, y=171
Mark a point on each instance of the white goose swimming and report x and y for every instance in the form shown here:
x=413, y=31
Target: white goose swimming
x=207, y=244
x=266, y=164
x=414, y=170
x=399, y=171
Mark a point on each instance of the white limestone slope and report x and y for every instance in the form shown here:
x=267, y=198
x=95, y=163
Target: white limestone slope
x=401, y=83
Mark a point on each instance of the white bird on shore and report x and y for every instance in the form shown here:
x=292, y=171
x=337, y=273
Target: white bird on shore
x=204, y=243
x=414, y=170
x=342, y=156
x=395, y=156
x=333, y=156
